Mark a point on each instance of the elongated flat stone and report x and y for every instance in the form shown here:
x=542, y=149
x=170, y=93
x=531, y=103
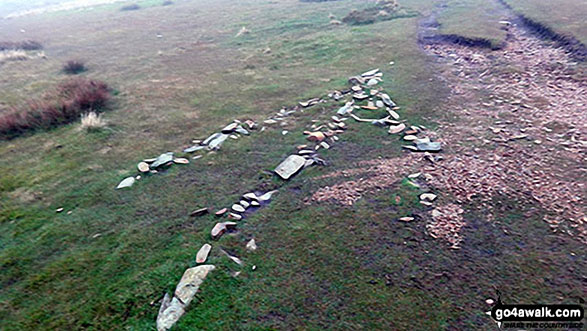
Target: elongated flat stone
x=193, y=148
x=267, y=196
x=190, y=282
x=162, y=160
x=250, y=196
x=202, y=255
x=127, y=182
x=428, y=146
x=219, y=229
x=217, y=142
x=290, y=166
x=370, y=73
x=199, y=212
x=238, y=208
x=387, y=100
x=347, y=108
x=169, y=313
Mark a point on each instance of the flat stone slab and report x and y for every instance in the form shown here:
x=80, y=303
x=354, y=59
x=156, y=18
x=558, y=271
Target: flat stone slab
x=190, y=282
x=162, y=160
x=202, y=255
x=427, y=146
x=127, y=182
x=219, y=229
x=290, y=166
x=169, y=313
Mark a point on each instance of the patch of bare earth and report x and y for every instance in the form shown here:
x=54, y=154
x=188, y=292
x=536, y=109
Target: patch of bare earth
x=520, y=133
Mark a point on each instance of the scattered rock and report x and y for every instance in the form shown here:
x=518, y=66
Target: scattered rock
x=199, y=212
x=406, y=219
x=255, y=203
x=316, y=136
x=427, y=196
x=143, y=167
x=220, y=228
x=427, y=146
x=370, y=73
x=169, y=313
x=244, y=204
x=394, y=129
x=410, y=137
x=221, y=212
x=59, y=210
x=127, y=182
x=161, y=160
x=202, y=255
x=190, y=282
x=242, y=31
x=236, y=217
x=267, y=196
x=181, y=160
x=217, y=142
x=290, y=166
x=238, y=208
x=229, y=128
x=251, y=245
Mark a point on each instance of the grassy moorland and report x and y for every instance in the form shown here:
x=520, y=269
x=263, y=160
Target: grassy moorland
x=179, y=73
x=563, y=16
x=476, y=20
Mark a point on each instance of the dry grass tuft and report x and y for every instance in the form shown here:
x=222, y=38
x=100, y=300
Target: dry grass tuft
x=64, y=104
x=92, y=121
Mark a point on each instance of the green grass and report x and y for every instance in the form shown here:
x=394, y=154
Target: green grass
x=476, y=20
x=319, y=266
x=563, y=16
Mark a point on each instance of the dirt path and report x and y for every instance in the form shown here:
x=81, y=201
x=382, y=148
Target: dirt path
x=515, y=127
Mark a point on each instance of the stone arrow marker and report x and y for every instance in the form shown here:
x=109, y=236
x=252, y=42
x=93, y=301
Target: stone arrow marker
x=290, y=166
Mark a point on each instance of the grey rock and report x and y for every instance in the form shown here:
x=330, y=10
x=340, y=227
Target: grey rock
x=370, y=73
x=347, y=108
x=290, y=166
x=387, y=100
x=127, y=182
x=202, y=255
x=217, y=142
x=212, y=137
x=169, y=313
x=190, y=282
x=193, y=148
x=241, y=130
x=427, y=146
x=267, y=196
x=230, y=128
x=162, y=160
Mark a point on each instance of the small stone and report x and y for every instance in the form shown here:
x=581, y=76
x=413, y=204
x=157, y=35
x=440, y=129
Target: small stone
x=181, y=160
x=251, y=245
x=410, y=137
x=284, y=132
x=361, y=96
x=193, y=148
x=290, y=166
x=219, y=229
x=387, y=100
x=411, y=148
x=59, y=210
x=379, y=104
x=306, y=152
x=428, y=196
x=394, y=129
x=255, y=203
x=267, y=196
x=347, y=108
x=250, y=196
x=370, y=73
x=241, y=130
x=393, y=114
x=199, y=212
x=202, y=255
x=415, y=175
x=316, y=136
x=324, y=145
x=143, y=167
x=427, y=146
x=254, y=268
x=244, y=204
x=162, y=159
x=238, y=208
x=221, y=212
x=235, y=217
x=217, y=142
x=127, y=182
x=406, y=219
x=489, y=301
x=229, y=128
x=369, y=107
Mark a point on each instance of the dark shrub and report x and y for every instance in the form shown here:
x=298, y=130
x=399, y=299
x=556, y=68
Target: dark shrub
x=133, y=6
x=27, y=45
x=74, y=67
x=61, y=105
